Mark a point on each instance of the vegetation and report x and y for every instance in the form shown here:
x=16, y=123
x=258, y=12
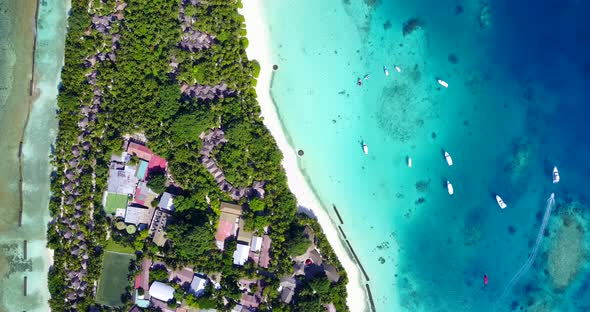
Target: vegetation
x=141, y=93
x=157, y=181
x=298, y=243
x=159, y=274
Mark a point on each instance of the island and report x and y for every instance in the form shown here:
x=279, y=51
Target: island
x=168, y=192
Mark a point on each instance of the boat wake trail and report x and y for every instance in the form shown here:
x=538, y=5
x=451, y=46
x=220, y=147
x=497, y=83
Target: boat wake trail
x=527, y=265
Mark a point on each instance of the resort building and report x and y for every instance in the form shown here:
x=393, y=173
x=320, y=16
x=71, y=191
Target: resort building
x=198, y=285
x=158, y=227
x=287, y=289
x=241, y=254
x=137, y=215
x=331, y=273
x=161, y=291
x=264, y=259
x=166, y=202
x=122, y=181
x=140, y=151
x=183, y=277
x=229, y=221
x=256, y=244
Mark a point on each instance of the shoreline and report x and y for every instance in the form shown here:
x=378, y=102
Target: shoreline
x=258, y=49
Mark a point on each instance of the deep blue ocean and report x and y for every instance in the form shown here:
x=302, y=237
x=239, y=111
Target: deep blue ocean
x=516, y=106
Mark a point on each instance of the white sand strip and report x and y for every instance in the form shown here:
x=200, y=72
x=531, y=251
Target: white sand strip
x=258, y=49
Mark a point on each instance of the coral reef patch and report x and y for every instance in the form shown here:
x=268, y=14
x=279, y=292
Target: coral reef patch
x=567, y=252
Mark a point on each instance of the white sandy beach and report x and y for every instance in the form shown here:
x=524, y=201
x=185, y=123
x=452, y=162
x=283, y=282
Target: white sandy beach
x=258, y=49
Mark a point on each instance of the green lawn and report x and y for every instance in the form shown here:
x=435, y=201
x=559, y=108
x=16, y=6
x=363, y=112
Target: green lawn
x=113, y=278
x=115, y=247
x=115, y=201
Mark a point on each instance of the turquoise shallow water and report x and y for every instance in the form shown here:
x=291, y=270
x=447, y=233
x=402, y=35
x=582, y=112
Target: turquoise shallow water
x=39, y=136
x=514, y=109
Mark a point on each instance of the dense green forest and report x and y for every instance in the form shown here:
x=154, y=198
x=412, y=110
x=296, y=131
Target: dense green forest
x=141, y=92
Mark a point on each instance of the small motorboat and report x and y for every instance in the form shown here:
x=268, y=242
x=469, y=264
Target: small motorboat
x=448, y=158
x=399, y=70
x=367, y=76
x=365, y=148
x=409, y=162
x=443, y=83
x=555, y=175
x=450, y=188
x=359, y=82
x=501, y=203
x=385, y=70
x=485, y=280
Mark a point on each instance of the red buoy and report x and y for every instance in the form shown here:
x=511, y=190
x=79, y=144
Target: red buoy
x=485, y=279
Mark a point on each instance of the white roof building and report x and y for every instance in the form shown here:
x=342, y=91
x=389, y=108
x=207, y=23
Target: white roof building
x=166, y=202
x=241, y=254
x=197, y=286
x=122, y=181
x=161, y=291
x=137, y=215
x=256, y=243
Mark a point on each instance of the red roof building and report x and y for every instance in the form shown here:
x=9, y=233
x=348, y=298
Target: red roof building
x=140, y=151
x=224, y=230
x=228, y=223
x=137, y=282
x=157, y=162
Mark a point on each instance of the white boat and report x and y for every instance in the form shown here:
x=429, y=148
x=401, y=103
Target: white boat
x=409, y=162
x=450, y=188
x=385, y=70
x=555, y=175
x=448, y=158
x=500, y=202
x=399, y=70
x=365, y=148
x=443, y=83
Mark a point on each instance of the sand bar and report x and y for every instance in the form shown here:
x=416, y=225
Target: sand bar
x=259, y=50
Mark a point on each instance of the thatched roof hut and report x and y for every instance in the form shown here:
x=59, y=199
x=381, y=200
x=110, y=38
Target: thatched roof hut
x=75, y=151
x=70, y=175
x=86, y=146
x=73, y=163
x=83, y=123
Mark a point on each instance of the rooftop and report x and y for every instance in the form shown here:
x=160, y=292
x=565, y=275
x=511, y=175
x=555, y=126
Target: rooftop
x=161, y=291
x=256, y=243
x=122, y=181
x=140, y=151
x=265, y=252
x=230, y=208
x=198, y=284
x=137, y=215
x=241, y=254
x=166, y=202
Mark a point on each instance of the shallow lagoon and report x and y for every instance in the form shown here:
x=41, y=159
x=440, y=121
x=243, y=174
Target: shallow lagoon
x=504, y=119
x=38, y=137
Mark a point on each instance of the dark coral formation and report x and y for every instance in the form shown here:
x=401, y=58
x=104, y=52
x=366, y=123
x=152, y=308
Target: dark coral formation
x=410, y=26
x=453, y=58
x=422, y=185
x=387, y=25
